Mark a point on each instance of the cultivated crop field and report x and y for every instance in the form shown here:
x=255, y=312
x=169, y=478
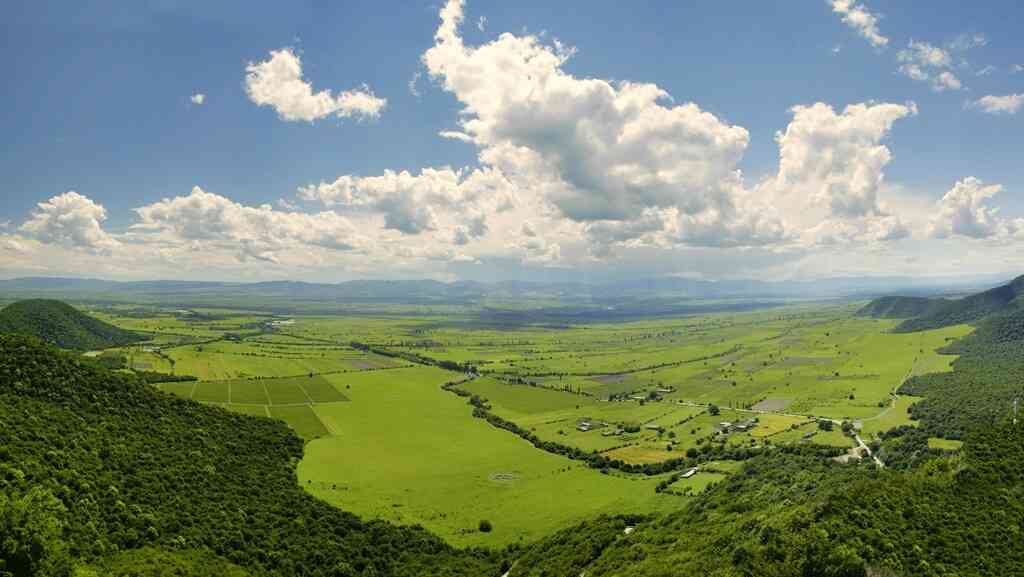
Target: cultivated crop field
x=385, y=440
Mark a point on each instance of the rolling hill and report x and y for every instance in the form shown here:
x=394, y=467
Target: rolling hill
x=924, y=313
x=897, y=307
x=63, y=325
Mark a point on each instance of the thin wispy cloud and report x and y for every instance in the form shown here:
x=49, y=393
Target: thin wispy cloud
x=412, y=84
x=1006, y=104
x=863, y=21
x=925, y=62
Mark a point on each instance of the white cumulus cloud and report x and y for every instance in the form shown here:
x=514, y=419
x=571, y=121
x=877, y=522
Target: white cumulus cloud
x=412, y=203
x=964, y=211
x=255, y=231
x=836, y=161
x=72, y=220
x=278, y=82
x=596, y=151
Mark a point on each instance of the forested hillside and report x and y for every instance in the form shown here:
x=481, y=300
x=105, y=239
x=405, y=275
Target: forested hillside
x=63, y=325
x=789, y=513
x=1002, y=299
x=899, y=307
x=94, y=462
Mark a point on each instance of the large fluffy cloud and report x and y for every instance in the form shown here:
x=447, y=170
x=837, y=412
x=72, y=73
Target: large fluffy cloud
x=411, y=203
x=278, y=82
x=836, y=161
x=256, y=231
x=72, y=220
x=859, y=18
x=602, y=153
x=963, y=211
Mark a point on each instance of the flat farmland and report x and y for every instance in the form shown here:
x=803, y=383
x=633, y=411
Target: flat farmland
x=407, y=451
x=230, y=360
x=782, y=369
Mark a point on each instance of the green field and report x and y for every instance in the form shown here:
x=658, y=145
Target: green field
x=385, y=441
x=407, y=451
x=944, y=444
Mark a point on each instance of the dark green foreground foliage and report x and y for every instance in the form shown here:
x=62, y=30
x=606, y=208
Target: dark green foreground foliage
x=789, y=513
x=63, y=325
x=150, y=562
x=988, y=376
x=109, y=464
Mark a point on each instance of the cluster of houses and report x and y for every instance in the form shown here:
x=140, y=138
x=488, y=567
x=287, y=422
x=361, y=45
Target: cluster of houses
x=586, y=424
x=725, y=427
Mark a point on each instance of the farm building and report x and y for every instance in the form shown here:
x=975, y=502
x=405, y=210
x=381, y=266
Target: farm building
x=586, y=424
x=688, y=473
x=727, y=427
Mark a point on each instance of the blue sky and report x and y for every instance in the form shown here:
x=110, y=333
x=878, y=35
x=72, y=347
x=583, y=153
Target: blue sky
x=100, y=102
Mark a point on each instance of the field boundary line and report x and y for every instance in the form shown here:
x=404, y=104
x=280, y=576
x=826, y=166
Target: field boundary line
x=328, y=428
x=303, y=389
x=265, y=391
x=195, y=385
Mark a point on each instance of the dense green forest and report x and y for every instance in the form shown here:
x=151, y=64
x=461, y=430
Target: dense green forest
x=63, y=325
x=94, y=463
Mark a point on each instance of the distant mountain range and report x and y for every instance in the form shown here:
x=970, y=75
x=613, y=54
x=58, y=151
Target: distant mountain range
x=421, y=292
